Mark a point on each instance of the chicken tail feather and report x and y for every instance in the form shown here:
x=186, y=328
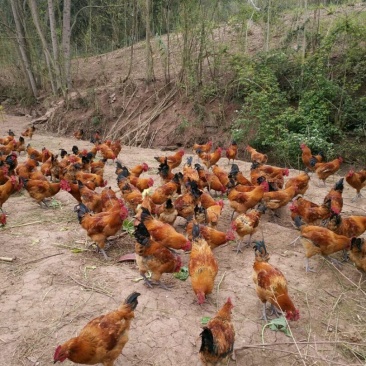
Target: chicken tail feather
x=132, y=300
x=208, y=344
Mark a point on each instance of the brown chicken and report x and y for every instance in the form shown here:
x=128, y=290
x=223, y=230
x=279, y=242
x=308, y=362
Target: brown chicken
x=116, y=147
x=166, y=191
x=40, y=189
x=90, y=198
x=131, y=195
x=213, y=213
x=5, y=140
x=232, y=151
x=320, y=240
x=190, y=174
x=33, y=153
x=210, y=159
x=72, y=188
x=90, y=180
x=202, y=266
x=241, y=202
x=301, y=182
x=325, y=170
x=310, y=212
x=277, y=199
x=173, y=160
x=106, y=152
x=79, y=134
x=204, y=147
x=255, y=156
x=141, y=183
x=20, y=145
x=309, y=159
x=271, y=285
x=210, y=180
x=9, y=163
x=167, y=212
x=356, y=180
x=348, y=226
x=186, y=202
x=101, y=225
x=164, y=233
x=102, y=339
x=214, y=238
x=29, y=132
x=218, y=337
x=247, y=224
x=272, y=174
x=207, y=200
x=7, y=149
x=335, y=197
x=11, y=186
x=154, y=257
x=165, y=173
x=238, y=176
x=357, y=253
x=138, y=169
x=221, y=174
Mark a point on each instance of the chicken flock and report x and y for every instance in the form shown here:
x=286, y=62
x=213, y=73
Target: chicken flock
x=197, y=192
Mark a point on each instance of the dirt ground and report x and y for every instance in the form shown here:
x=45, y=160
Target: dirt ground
x=50, y=291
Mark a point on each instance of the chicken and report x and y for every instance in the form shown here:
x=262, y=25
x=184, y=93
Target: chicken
x=186, y=202
x=247, y=224
x=97, y=167
x=271, y=285
x=213, y=213
x=335, y=197
x=210, y=180
x=356, y=180
x=106, y=152
x=348, y=226
x=116, y=147
x=10, y=162
x=210, y=159
x=20, y=145
x=90, y=198
x=166, y=191
x=102, y=339
x=96, y=138
x=141, y=183
x=7, y=149
x=202, y=266
x=131, y=195
x=238, y=176
x=218, y=337
x=204, y=147
x=101, y=225
x=72, y=188
x=40, y=189
x=5, y=140
x=173, y=160
x=357, y=253
x=320, y=240
x=90, y=180
x=79, y=134
x=272, y=174
x=11, y=186
x=164, y=233
x=29, y=132
x=23, y=169
x=301, y=182
x=325, y=170
x=308, y=158
x=232, y=151
x=165, y=172
x=310, y=212
x=190, y=174
x=277, y=199
x=138, y=169
x=214, y=238
x=255, y=156
x=33, y=153
x=207, y=200
x=154, y=257
x=221, y=174
x=240, y=202
x=167, y=212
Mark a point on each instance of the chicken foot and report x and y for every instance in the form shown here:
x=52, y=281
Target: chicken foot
x=247, y=244
x=307, y=266
x=334, y=261
x=358, y=196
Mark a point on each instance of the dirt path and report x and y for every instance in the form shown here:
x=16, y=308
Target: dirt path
x=50, y=292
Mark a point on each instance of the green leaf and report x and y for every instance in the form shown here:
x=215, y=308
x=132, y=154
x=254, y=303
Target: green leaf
x=279, y=325
x=77, y=250
x=205, y=320
x=183, y=274
x=128, y=226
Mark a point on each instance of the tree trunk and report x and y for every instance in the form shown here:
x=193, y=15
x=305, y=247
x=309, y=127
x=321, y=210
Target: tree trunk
x=23, y=49
x=51, y=14
x=47, y=55
x=66, y=36
x=149, y=61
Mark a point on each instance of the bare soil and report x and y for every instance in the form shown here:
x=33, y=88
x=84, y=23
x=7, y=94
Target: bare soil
x=50, y=291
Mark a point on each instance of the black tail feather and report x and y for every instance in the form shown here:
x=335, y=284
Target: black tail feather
x=132, y=300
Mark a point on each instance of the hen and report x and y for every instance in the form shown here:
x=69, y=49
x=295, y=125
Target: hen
x=101, y=225
x=166, y=191
x=102, y=339
x=204, y=147
x=185, y=203
x=271, y=285
x=11, y=186
x=255, y=156
x=301, y=182
x=308, y=158
x=202, y=266
x=320, y=240
x=167, y=212
x=348, y=226
x=335, y=197
x=40, y=189
x=232, y=151
x=29, y=132
x=221, y=174
x=325, y=170
x=356, y=180
x=165, y=173
x=218, y=337
x=357, y=253
x=154, y=257
x=210, y=159
x=173, y=161
x=164, y=233
x=247, y=224
x=79, y=134
x=213, y=213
